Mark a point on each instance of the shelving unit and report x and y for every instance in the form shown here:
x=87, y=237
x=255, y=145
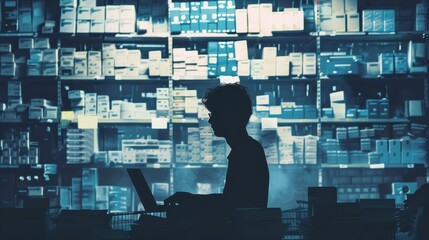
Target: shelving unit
x=314, y=41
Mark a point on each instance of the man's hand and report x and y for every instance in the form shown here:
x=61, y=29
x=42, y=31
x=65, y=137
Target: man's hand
x=179, y=198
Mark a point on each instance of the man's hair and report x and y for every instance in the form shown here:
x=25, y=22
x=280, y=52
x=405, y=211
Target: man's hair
x=231, y=100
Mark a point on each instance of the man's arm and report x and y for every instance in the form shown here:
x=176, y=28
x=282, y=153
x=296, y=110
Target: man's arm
x=188, y=199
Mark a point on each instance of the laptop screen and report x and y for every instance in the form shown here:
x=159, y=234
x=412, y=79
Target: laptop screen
x=143, y=190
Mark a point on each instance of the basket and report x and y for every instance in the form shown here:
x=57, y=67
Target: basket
x=124, y=220
x=297, y=219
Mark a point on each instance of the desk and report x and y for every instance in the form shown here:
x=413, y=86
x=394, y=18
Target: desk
x=210, y=225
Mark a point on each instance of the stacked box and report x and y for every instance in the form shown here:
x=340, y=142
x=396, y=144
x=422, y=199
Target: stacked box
x=181, y=153
x=379, y=20
x=76, y=194
x=89, y=184
x=286, y=145
x=80, y=145
x=101, y=197
x=67, y=61
x=270, y=145
x=310, y=152
x=219, y=150
x=206, y=143
x=296, y=63
x=194, y=145
x=119, y=197
x=299, y=148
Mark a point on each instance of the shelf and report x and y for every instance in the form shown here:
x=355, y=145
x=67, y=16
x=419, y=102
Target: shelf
x=199, y=165
x=294, y=166
x=17, y=34
x=109, y=79
x=392, y=77
x=285, y=36
x=372, y=166
x=44, y=121
x=22, y=166
x=116, y=38
x=270, y=80
x=118, y=166
x=121, y=121
x=185, y=120
x=293, y=121
x=370, y=36
x=365, y=120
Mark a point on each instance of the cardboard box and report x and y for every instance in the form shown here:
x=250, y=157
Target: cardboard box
x=126, y=26
x=368, y=20
x=41, y=42
x=241, y=51
x=337, y=7
x=296, y=63
x=243, y=68
x=386, y=63
x=26, y=43
x=97, y=26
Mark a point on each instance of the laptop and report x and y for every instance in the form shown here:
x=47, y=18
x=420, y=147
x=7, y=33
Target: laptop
x=143, y=191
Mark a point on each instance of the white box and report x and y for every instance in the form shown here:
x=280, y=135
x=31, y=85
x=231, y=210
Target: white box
x=309, y=64
x=88, y=3
x=50, y=55
x=278, y=21
x=127, y=12
x=109, y=50
x=241, y=50
x=98, y=13
x=191, y=57
x=111, y=26
x=26, y=43
x=121, y=58
x=109, y=62
x=353, y=22
x=121, y=71
x=108, y=71
x=68, y=3
x=133, y=71
x=339, y=23
x=68, y=13
x=282, y=66
x=127, y=26
x=266, y=21
x=269, y=55
x=134, y=57
x=154, y=67
x=67, y=61
x=67, y=26
x=203, y=60
x=253, y=18
x=350, y=6
x=337, y=7
x=262, y=100
x=97, y=26
x=296, y=63
x=269, y=69
x=80, y=67
x=41, y=42
x=83, y=26
x=243, y=68
x=165, y=67
x=179, y=54
x=113, y=12
x=155, y=55
x=241, y=20
x=326, y=23
x=293, y=19
x=83, y=13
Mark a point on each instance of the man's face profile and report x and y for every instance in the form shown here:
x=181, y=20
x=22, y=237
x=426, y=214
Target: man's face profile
x=218, y=124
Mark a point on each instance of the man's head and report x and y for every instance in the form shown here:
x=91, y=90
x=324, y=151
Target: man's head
x=230, y=108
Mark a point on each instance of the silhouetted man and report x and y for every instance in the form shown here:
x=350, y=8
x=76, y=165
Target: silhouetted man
x=247, y=177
